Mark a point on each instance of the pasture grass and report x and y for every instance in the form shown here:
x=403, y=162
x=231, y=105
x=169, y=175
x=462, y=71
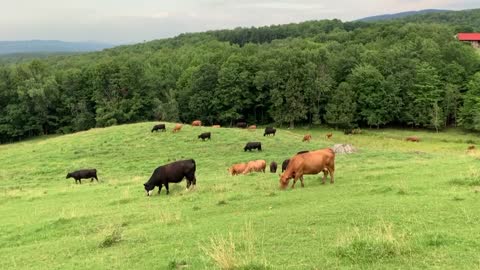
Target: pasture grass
x=394, y=205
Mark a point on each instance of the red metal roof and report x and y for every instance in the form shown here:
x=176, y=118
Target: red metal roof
x=469, y=36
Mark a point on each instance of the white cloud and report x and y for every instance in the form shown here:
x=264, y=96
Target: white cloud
x=138, y=20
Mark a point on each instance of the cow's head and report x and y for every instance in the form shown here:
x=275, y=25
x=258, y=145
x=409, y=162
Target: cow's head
x=68, y=176
x=284, y=179
x=148, y=188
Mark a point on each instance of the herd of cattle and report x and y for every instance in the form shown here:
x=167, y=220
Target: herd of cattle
x=302, y=163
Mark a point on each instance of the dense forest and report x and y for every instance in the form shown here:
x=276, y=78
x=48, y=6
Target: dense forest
x=410, y=72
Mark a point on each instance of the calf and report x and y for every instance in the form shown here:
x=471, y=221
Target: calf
x=273, y=167
x=328, y=136
x=241, y=125
x=269, y=131
x=158, y=127
x=205, y=135
x=307, y=138
x=172, y=173
x=253, y=145
x=83, y=174
x=285, y=164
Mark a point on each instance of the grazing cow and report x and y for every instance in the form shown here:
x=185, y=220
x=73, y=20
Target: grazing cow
x=328, y=136
x=273, y=167
x=83, y=174
x=286, y=161
x=216, y=126
x=177, y=128
x=307, y=138
x=471, y=147
x=241, y=125
x=312, y=162
x=253, y=145
x=412, y=139
x=197, y=123
x=205, y=135
x=237, y=168
x=252, y=127
x=172, y=173
x=255, y=166
x=285, y=164
x=160, y=127
x=269, y=131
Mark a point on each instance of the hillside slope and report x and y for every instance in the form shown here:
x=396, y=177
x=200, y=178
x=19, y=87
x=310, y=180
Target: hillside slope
x=394, y=204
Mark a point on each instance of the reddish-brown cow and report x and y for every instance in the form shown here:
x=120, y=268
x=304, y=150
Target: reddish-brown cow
x=252, y=127
x=312, y=162
x=255, y=166
x=307, y=138
x=237, y=168
x=197, y=123
x=177, y=128
x=412, y=139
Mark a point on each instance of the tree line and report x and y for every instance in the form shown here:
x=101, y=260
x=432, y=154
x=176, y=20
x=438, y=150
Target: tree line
x=319, y=72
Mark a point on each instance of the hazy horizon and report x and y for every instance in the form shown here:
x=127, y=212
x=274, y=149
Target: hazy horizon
x=126, y=21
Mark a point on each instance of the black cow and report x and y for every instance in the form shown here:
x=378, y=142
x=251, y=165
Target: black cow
x=172, y=173
x=285, y=164
x=273, y=167
x=206, y=135
x=241, y=125
x=83, y=174
x=253, y=145
x=160, y=127
x=269, y=130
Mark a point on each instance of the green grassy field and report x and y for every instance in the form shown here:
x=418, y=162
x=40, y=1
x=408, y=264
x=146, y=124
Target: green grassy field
x=395, y=205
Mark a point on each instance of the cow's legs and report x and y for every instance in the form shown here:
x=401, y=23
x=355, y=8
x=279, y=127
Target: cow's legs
x=80, y=180
x=331, y=176
x=166, y=186
x=96, y=178
x=159, y=188
x=301, y=181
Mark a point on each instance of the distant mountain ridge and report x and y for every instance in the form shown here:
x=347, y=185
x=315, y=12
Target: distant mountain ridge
x=400, y=15
x=49, y=46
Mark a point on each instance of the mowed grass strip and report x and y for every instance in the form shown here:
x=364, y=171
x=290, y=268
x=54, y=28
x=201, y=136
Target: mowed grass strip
x=395, y=204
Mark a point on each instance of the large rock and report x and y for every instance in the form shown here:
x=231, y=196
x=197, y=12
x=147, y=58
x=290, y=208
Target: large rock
x=344, y=149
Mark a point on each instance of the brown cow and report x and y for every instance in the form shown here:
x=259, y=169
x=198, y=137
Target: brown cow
x=307, y=138
x=252, y=127
x=216, y=126
x=177, y=128
x=196, y=123
x=412, y=139
x=312, y=162
x=328, y=136
x=237, y=168
x=255, y=166
x=471, y=147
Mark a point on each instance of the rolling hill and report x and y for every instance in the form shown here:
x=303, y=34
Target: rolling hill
x=394, y=205
x=385, y=17
x=49, y=46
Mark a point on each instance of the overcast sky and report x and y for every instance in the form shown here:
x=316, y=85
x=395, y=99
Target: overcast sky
x=127, y=21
